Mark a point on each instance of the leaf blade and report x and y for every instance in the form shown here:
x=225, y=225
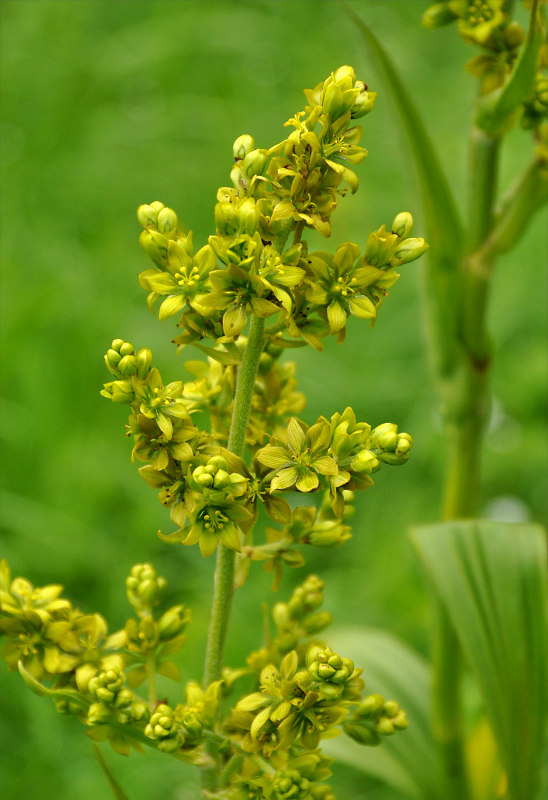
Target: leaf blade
x=445, y=229
x=491, y=579
x=408, y=761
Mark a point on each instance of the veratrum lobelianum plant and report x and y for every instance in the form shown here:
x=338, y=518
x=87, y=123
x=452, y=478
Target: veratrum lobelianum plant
x=254, y=730
x=488, y=578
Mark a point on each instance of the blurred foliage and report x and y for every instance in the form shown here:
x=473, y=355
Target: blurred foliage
x=110, y=104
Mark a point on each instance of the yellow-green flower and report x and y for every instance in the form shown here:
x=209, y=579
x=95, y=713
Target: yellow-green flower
x=183, y=282
x=302, y=459
x=212, y=523
x=477, y=19
x=164, y=404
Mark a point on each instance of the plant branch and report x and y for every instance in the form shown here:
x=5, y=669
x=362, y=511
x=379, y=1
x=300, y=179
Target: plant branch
x=516, y=210
x=223, y=587
x=224, y=573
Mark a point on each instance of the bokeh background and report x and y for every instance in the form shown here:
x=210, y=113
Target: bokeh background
x=107, y=105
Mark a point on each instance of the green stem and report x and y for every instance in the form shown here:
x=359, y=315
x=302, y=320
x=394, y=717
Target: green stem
x=466, y=412
x=223, y=587
x=151, y=681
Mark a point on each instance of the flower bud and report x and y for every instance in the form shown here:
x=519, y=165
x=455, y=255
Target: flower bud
x=403, y=224
x=408, y=250
x=226, y=219
x=371, y=706
x=155, y=246
x=98, y=714
x=147, y=216
x=400, y=721
x=144, y=362
x=249, y=216
x=126, y=349
x=345, y=77
x=317, y=622
x=365, y=461
x=391, y=708
x=139, y=712
x=173, y=622
x=404, y=444
x=514, y=35
x=243, y=145
x=328, y=533
x=118, y=391
x=333, y=101
x=112, y=359
x=364, y=102
x=385, y=432
x=127, y=366
x=237, y=176
x=361, y=733
x=280, y=614
x=123, y=699
x=437, y=15
x=393, y=459
x=221, y=479
x=385, y=727
x=167, y=220
x=254, y=162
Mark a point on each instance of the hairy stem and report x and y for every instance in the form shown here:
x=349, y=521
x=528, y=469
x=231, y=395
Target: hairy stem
x=223, y=587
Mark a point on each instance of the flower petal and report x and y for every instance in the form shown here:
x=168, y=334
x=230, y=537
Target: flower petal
x=208, y=543
x=231, y=537
x=295, y=436
x=284, y=479
x=274, y=457
x=307, y=482
x=336, y=316
x=170, y=306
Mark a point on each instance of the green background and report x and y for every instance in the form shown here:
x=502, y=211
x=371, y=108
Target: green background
x=107, y=105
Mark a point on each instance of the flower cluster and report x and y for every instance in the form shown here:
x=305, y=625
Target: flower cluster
x=489, y=25
x=246, y=267
x=304, y=692
x=69, y=656
x=213, y=495
x=256, y=267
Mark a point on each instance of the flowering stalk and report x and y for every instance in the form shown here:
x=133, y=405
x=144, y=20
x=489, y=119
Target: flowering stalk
x=223, y=587
x=256, y=457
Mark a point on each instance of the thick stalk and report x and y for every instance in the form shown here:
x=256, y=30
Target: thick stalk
x=466, y=412
x=223, y=587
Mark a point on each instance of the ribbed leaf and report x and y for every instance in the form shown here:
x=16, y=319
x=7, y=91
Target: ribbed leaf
x=491, y=578
x=407, y=761
x=444, y=234
x=497, y=108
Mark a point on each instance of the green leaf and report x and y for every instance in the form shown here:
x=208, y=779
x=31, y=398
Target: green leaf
x=445, y=235
x=517, y=209
x=495, y=110
x=56, y=694
x=117, y=791
x=491, y=579
x=407, y=761
x=226, y=359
